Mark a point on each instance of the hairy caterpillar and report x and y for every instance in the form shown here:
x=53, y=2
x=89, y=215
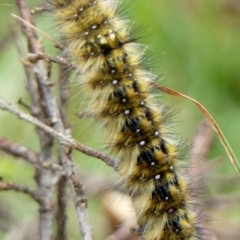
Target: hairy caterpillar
x=112, y=72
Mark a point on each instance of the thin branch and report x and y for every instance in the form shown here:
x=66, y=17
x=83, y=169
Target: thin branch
x=33, y=57
x=4, y=186
x=61, y=216
x=18, y=150
x=25, y=105
x=68, y=141
x=31, y=83
x=29, y=155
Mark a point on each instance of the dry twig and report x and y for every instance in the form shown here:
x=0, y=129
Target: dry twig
x=66, y=140
x=21, y=188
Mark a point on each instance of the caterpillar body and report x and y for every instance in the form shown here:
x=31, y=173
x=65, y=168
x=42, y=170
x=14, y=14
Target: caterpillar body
x=112, y=72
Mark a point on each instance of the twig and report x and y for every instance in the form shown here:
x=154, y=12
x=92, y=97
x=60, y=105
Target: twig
x=61, y=215
x=70, y=142
x=18, y=150
x=32, y=57
x=21, y=188
x=25, y=105
x=31, y=83
x=29, y=155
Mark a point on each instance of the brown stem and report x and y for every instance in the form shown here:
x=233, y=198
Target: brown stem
x=5, y=186
x=61, y=216
x=64, y=139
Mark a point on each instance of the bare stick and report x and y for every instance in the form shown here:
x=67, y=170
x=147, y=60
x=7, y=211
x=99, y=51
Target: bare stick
x=32, y=57
x=68, y=141
x=29, y=155
x=21, y=188
x=61, y=216
x=18, y=150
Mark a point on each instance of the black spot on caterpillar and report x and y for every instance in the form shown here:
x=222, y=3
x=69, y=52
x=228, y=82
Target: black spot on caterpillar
x=112, y=73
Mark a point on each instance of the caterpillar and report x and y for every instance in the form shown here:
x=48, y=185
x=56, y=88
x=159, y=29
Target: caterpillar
x=121, y=98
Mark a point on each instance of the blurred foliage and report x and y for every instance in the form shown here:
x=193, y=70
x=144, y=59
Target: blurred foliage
x=194, y=47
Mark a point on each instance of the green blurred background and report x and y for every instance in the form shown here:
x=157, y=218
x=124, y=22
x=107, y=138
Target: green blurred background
x=194, y=46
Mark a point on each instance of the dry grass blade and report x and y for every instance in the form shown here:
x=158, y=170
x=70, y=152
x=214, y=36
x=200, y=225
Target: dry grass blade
x=209, y=118
x=59, y=45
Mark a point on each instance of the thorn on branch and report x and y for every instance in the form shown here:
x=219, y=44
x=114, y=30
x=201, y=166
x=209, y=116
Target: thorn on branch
x=25, y=105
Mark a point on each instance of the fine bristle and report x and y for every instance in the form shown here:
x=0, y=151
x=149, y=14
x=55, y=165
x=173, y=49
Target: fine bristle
x=137, y=128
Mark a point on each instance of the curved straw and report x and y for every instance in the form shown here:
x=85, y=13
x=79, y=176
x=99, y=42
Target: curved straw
x=209, y=118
